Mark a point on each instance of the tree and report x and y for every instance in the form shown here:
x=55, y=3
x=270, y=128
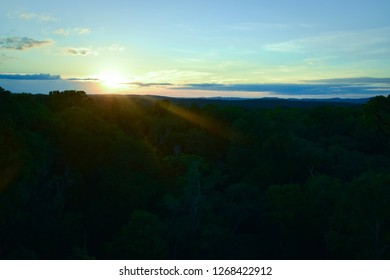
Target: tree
x=4, y=91
x=288, y=205
x=360, y=227
x=60, y=100
x=378, y=121
x=141, y=238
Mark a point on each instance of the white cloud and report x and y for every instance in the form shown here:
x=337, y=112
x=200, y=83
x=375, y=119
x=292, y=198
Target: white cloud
x=253, y=26
x=61, y=31
x=82, y=31
x=79, y=51
x=116, y=48
x=112, y=48
x=83, y=51
x=74, y=31
x=347, y=42
x=173, y=76
x=34, y=16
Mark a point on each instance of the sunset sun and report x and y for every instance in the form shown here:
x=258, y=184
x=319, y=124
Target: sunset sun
x=113, y=79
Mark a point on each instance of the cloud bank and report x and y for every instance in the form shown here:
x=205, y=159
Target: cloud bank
x=342, y=87
x=22, y=43
x=42, y=77
x=358, y=87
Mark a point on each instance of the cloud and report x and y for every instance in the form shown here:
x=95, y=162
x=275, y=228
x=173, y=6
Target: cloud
x=115, y=48
x=330, y=87
x=74, y=31
x=61, y=31
x=82, y=31
x=346, y=42
x=112, y=48
x=34, y=16
x=84, y=79
x=254, y=26
x=246, y=87
x=358, y=80
x=42, y=77
x=22, y=43
x=4, y=58
x=79, y=51
x=173, y=76
x=140, y=84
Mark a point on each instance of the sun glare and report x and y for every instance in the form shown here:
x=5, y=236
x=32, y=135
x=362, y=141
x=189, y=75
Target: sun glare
x=113, y=79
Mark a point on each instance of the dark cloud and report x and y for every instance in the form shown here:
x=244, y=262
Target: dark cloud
x=22, y=43
x=304, y=89
x=84, y=79
x=29, y=77
x=149, y=84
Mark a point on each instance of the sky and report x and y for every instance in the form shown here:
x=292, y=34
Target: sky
x=186, y=48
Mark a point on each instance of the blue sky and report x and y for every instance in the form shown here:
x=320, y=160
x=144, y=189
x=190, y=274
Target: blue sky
x=197, y=48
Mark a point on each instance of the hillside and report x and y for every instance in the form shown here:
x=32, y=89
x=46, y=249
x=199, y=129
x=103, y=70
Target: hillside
x=129, y=177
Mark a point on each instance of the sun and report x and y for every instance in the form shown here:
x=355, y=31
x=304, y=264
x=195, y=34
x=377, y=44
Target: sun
x=113, y=79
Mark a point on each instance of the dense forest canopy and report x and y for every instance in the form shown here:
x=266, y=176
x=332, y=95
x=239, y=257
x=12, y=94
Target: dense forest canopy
x=119, y=177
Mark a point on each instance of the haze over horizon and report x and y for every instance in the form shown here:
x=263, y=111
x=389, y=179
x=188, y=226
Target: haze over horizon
x=197, y=48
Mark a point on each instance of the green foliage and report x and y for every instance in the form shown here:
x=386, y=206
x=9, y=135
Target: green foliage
x=360, y=227
x=141, y=238
x=60, y=100
x=127, y=177
x=4, y=91
x=377, y=118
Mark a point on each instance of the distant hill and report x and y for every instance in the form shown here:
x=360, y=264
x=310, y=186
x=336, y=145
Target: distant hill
x=255, y=102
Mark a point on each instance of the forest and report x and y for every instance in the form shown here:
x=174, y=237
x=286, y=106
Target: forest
x=125, y=177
